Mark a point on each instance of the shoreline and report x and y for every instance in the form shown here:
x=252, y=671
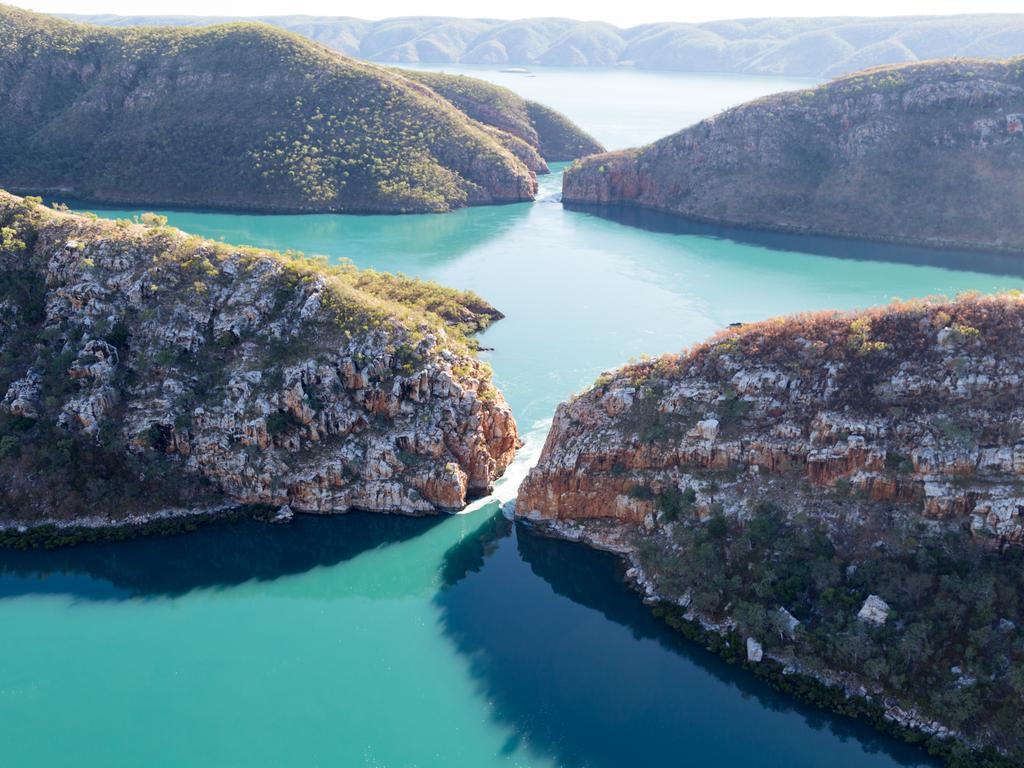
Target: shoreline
x=840, y=694
x=602, y=209
x=78, y=204
x=51, y=533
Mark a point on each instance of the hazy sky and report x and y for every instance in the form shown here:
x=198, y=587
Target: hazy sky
x=621, y=13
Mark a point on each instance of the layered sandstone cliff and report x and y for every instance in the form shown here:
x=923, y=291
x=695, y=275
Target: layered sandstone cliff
x=143, y=368
x=927, y=153
x=838, y=494
x=917, y=404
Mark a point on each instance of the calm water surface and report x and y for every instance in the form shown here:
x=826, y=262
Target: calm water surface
x=462, y=641
x=625, y=108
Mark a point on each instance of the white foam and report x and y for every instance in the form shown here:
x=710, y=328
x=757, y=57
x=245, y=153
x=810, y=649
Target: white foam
x=554, y=197
x=507, y=486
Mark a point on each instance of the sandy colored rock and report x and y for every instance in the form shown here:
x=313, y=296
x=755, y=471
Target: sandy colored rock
x=916, y=405
x=261, y=379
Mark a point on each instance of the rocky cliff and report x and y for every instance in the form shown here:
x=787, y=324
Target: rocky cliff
x=841, y=489
x=143, y=369
x=925, y=153
x=915, y=404
x=235, y=116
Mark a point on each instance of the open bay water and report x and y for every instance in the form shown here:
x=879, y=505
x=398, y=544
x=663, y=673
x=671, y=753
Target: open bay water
x=366, y=640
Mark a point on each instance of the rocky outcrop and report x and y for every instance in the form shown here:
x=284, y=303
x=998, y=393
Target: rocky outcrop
x=916, y=404
x=240, y=116
x=925, y=153
x=875, y=610
x=147, y=369
x=839, y=493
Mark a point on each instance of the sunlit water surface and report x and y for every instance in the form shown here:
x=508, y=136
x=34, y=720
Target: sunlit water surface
x=459, y=641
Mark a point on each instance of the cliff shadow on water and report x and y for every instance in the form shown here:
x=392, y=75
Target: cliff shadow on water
x=987, y=262
x=218, y=555
x=581, y=673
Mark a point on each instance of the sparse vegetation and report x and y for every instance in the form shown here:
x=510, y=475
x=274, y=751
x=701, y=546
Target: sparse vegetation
x=333, y=134
x=859, y=158
x=552, y=134
x=951, y=648
x=64, y=472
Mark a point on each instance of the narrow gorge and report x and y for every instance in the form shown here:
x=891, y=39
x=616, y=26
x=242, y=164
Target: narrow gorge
x=287, y=347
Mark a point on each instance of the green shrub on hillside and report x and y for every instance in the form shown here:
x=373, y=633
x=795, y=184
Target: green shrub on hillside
x=236, y=115
x=69, y=473
x=952, y=645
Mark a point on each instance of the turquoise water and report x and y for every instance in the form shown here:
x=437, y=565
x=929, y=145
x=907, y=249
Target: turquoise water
x=624, y=107
x=460, y=641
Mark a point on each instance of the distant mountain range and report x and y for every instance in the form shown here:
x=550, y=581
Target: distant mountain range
x=819, y=47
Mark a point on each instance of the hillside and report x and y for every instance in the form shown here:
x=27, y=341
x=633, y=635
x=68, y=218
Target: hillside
x=809, y=47
x=142, y=369
x=834, y=495
x=920, y=153
x=235, y=116
x=550, y=133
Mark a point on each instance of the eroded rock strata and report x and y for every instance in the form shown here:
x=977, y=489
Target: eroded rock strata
x=143, y=368
x=925, y=153
x=840, y=493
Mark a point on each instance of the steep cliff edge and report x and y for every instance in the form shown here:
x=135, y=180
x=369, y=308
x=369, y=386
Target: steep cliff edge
x=234, y=116
x=843, y=493
x=550, y=133
x=143, y=369
x=925, y=153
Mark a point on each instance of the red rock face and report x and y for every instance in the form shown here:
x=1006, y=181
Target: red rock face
x=607, y=179
x=392, y=444
x=271, y=387
x=918, y=406
x=925, y=153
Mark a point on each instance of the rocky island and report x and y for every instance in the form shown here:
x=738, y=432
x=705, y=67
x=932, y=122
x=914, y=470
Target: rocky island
x=244, y=116
x=146, y=373
x=931, y=154
x=832, y=498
